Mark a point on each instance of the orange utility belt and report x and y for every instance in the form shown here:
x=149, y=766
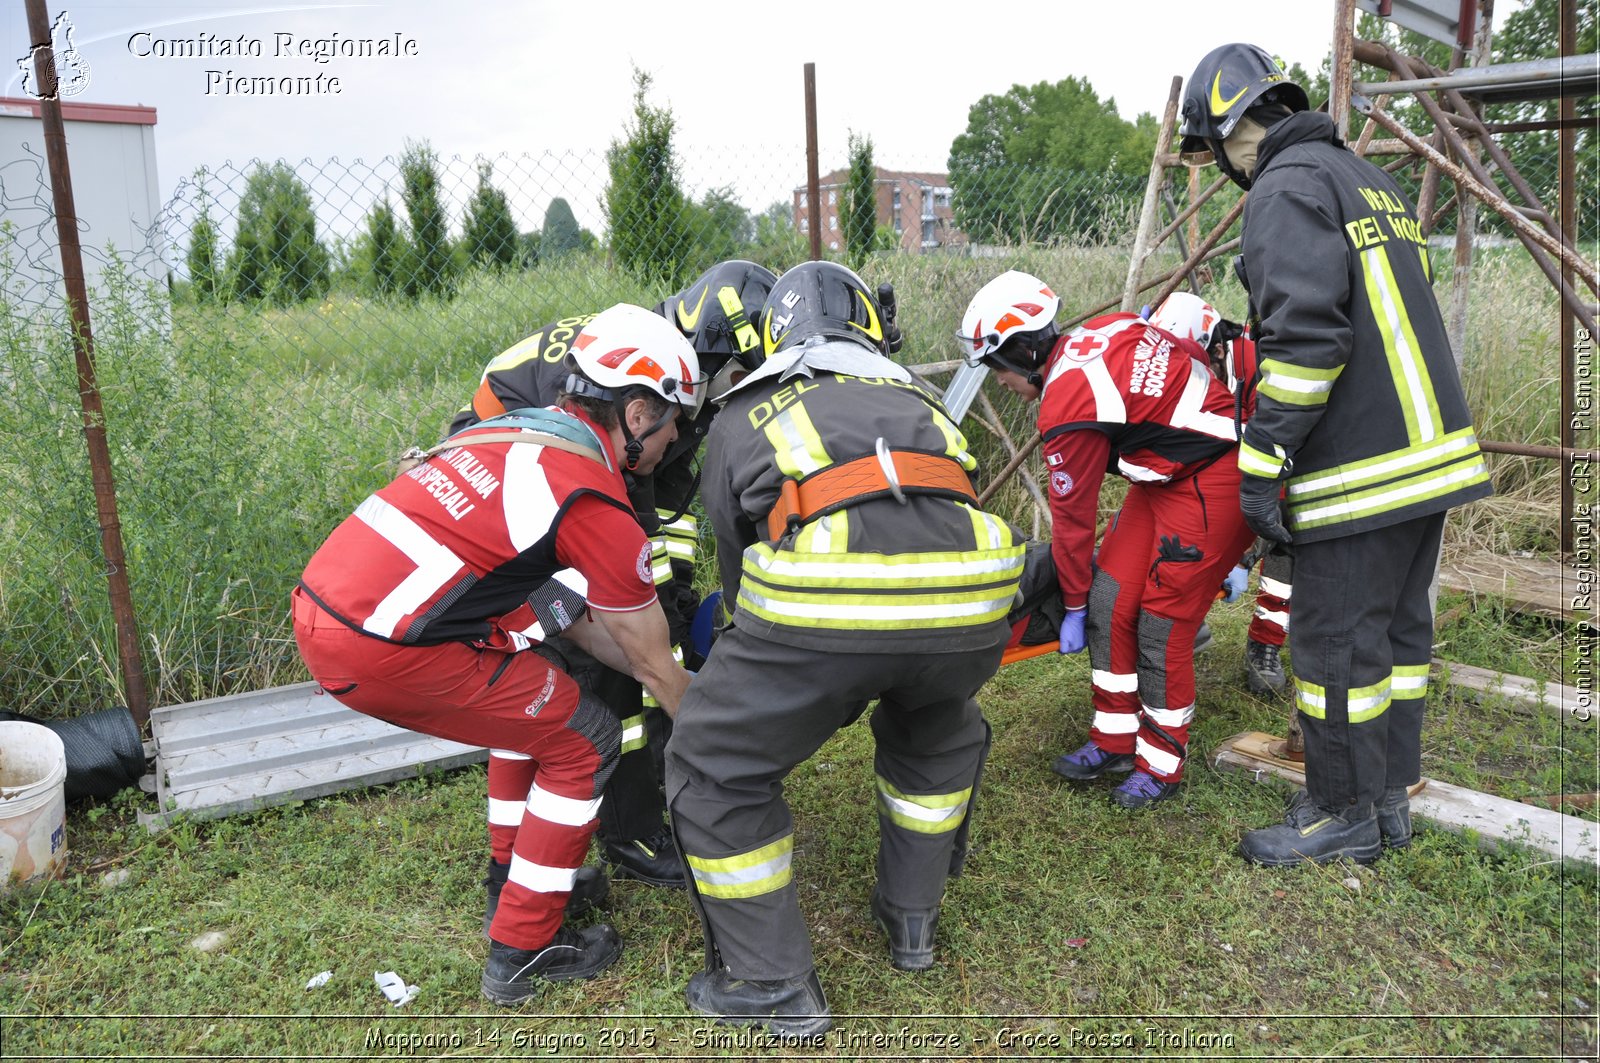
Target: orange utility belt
x=838, y=486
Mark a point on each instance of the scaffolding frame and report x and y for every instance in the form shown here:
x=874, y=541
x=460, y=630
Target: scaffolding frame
x=1453, y=100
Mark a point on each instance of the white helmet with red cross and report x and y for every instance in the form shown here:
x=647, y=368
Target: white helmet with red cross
x=629, y=347
x=1014, y=306
x=1188, y=317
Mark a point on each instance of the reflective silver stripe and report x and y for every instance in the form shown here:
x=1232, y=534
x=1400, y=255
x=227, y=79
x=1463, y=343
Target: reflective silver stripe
x=1190, y=412
x=850, y=611
x=1115, y=682
x=1161, y=761
x=1272, y=616
x=724, y=876
x=436, y=564
x=1388, y=500
x=1116, y=723
x=1275, y=588
x=1378, y=271
x=541, y=878
x=781, y=564
x=1170, y=717
x=927, y=820
x=505, y=813
x=1140, y=474
x=1407, y=459
x=567, y=811
x=507, y=754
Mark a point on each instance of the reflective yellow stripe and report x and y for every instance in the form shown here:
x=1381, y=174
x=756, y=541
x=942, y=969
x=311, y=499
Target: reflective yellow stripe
x=633, y=736
x=928, y=570
x=750, y=874
x=955, y=443
x=1412, y=382
x=1456, y=446
x=1408, y=492
x=660, y=563
x=1361, y=703
x=923, y=813
x=876, y=612
x=796, y=443
x=1253, y=462
x=1297, y=385
x=825, y=535
x=514, y=355
x=1409, y=682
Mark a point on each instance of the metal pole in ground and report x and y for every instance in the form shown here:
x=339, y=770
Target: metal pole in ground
x=813, y=189
x=94, y=421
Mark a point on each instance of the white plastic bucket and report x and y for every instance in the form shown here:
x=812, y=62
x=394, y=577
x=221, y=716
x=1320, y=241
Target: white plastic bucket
x=33, y=803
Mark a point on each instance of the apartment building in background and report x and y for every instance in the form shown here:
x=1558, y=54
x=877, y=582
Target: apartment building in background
x=915, y=205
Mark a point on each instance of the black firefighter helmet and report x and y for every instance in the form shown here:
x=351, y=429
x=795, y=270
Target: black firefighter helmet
x=717, y=313
x=1227, y=83
x=821, y=299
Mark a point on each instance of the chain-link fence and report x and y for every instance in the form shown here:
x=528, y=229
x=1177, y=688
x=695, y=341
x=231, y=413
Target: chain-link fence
x=288, y=329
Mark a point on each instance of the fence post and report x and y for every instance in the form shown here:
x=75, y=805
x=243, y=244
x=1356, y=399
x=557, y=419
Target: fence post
x=1147, y=210
x=813, y=189
x=94, y=421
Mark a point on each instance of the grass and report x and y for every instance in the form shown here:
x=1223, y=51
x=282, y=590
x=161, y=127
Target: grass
x=1074, y=920
x=241, y=440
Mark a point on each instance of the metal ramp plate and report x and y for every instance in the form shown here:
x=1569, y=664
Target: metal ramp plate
x=270, y=747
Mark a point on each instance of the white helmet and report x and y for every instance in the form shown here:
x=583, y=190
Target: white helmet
x=628, y=346
x=1013, y=304
x=1188, y=317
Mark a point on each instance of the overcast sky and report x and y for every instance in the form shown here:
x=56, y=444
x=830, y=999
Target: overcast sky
x=493, y=76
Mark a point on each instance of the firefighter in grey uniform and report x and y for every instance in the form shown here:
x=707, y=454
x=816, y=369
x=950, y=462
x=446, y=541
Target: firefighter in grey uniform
x=849, y=536
x=1360, y=410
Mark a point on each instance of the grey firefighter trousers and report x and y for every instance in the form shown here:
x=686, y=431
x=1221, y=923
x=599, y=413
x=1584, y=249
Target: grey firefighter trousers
x=758, y=709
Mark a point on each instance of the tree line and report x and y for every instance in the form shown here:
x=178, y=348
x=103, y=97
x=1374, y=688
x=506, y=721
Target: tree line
x=1050, y=162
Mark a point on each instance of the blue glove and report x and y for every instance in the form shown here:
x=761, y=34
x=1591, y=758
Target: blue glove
x=1072, y=630
x=1235, y=583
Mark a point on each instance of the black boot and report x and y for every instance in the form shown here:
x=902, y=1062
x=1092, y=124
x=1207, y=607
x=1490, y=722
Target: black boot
x=1311, y=833
x=789, y=1007
x=513, y=975
x=1263, y=669
x=589, y=889
x=910, y=931
x=1394, y=817
x=653, y=860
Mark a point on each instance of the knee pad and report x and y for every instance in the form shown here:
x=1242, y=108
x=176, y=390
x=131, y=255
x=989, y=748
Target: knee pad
x=599, y=725
x=1155, y=633
x=1103, y=593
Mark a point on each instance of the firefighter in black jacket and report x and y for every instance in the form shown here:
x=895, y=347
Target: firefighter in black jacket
x=849, y=536
x=1360, y=410
x=714, y=314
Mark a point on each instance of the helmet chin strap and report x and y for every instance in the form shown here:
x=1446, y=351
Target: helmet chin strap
x=633, y=445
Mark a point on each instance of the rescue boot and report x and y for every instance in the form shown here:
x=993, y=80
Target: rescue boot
x=1141, y=789
x=513, y=975
x=789, y=1007
x=1089, y=761
x=1263, y=669
x=1394, y=817
x=589, y=889
x=653, y=860
x=1310, y=833
x=910, y=930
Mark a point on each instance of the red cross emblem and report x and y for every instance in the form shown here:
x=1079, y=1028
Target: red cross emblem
x=1086, y=345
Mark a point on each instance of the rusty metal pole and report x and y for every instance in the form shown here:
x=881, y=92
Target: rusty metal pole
x=813, y=186
x=1569, y=322
x=1339, y=66
x=94, y=420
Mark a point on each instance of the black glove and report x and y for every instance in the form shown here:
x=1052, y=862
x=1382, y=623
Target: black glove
x=1259, y=500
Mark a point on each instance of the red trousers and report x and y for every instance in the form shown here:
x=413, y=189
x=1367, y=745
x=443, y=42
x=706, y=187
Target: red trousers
x=551, y=751
x=1158, y=570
